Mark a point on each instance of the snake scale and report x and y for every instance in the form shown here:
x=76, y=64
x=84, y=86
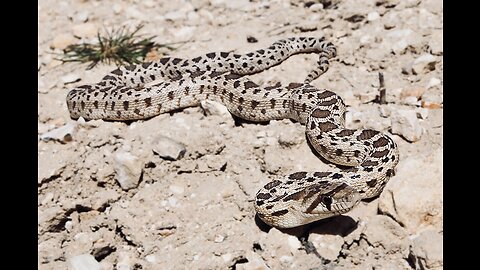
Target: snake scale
x=149, y=89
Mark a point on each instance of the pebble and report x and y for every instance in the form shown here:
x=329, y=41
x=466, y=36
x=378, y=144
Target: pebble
x=422, y=113
x=81, y=17
x=176, y=189
x=172, y=201
x=61, y=134
x=432, y=100
x=427, y=249
x=368, y=96
x=423, y=64
x=128, y=169
x=62, y=41
x=435, y=43
x=41, y=87
x=48, y=198
x=272, y=159
x=227, y=257
x=168, y=149
x=399, y=40
x=133, y=13
x=84, y=262
x=184, y=33
x=316, y=7
x=255, y=262
x=117, y=8
x=85, y=30
x=219, y=239
x=373, y=16
x=151, y=258
x=431, y=105
x=366, y=39
x=293, y=243
x=405, y=123
x=383, y=231
x=414, y=91
x=286, y=259
x=411, y=100
x=433, y=82
x=216, y=108
x=124, y=261
x=70, y=78
x=328, y=246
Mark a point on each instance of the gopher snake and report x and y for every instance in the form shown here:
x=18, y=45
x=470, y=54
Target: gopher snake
x=149, y=89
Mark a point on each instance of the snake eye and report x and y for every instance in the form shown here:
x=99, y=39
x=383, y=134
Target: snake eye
x=327, y=200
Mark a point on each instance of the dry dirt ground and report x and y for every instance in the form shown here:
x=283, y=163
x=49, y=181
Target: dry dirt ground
x=109, y=199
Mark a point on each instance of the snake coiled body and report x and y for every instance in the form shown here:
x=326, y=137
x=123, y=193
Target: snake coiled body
x=146, y=90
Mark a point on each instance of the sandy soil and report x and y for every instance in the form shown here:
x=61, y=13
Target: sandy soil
x=197, y=212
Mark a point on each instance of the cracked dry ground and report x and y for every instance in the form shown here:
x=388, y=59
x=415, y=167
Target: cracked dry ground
x=197, y=211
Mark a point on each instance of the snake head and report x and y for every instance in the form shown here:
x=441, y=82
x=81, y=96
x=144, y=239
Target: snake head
x=326, y=199
x=287, y=207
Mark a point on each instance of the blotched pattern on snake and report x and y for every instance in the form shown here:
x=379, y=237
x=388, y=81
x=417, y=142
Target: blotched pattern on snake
x=146, y=90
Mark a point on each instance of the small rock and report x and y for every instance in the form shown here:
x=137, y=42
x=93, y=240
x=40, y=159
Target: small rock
x=414, y=91
x=62, y=134
x=435, y=43
x=348, y=60
x=433, y=82
x=51, y=219
x=414, y=197
x=48, y=198
x=227, y=257
x=81, y=17
x=271, y=159
x=290, y=137
x=84, y=262
x=428, y=250
x=255, y=261
x=294, y=243
x=117, y=8
x=172, y=201
x=399, y=40
x=383, y=231
x=328, y=246
x=128, y=169
x=215, y=108
x=219, y=239
x=410, y=100
x=70, y=78
x=68, y=226
x=49, y=168
x=373, y=16
x=175, y=15
x=85, y=30
x=367, y=97
x=316, y=7
x=366, y=39
x=431, y=105
x=168, y=149
x=124, y=261
x=176, y=189
x=307, y=27
x=422, y=113
x=405, y=123
x=432, y=97
x=424, y=63
x=286, y=259
x=62, y=41
x=151, y=258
